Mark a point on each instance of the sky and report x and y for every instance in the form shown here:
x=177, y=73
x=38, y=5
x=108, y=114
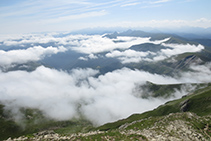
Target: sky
x=26, y=16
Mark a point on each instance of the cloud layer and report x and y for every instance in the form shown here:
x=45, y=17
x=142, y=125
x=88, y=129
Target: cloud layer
x=91, y=46
x=100, y=98
x=62, y=96
x=35, y=53
x=98, y=44
x=132, y=56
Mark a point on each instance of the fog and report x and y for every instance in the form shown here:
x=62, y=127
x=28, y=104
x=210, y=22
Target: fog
x=35, y=53
x=90, y=45
x=100, y=98
x=61, y=95
x=132, y=56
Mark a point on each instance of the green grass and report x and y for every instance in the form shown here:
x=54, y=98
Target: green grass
x=201, y=104
x=75, y=126
x=156, y=90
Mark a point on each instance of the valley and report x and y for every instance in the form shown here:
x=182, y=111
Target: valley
x=130, y=85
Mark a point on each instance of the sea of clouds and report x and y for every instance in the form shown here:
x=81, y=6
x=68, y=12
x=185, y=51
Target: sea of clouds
x=100, y=98
x=30, y=48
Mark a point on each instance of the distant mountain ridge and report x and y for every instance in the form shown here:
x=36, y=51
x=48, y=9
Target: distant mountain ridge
x=186, y=118
x=110, y=64
x=70, y=59
x=185, y=32
x=138, y=33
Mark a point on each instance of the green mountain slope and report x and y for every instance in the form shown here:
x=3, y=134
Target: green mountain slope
x=165, y=91
x=33, y=121
x=198, y=102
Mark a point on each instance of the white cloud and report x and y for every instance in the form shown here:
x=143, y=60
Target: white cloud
x=83, y=58
x=88, y=44
x=128, y=53
x=34, y=8
x=159, y=1
x=132, y=56
x=128, y=56
x=58, y=94
x=159, y=57
x=73, y=17
x=203, y=20
x=126, y=60
x=33, y=38
x=97, y=44
x=88, y=57
x=166, y=24
x=94, y=44
x=21, y=39
x=176, y=49
x=92, y=56
x=180, y=48
x=200, y=73
x=54, y=91
x=130, y=4
x=156, y=42
x=61, y=95
x=31, y=54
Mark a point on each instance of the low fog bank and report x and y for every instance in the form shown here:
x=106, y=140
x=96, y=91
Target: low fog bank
x=64, y=95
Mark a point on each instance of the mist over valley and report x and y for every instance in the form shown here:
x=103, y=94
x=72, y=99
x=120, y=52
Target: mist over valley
x=97, y=76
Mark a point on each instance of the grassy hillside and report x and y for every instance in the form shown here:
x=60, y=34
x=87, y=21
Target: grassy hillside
x=165, y=91
x=8, y=128
x=170, y=121
x=198, y=102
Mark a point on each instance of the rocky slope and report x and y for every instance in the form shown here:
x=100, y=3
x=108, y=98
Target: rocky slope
x=179, y=126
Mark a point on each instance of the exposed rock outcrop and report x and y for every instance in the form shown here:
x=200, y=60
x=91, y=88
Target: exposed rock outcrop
x=184, y=106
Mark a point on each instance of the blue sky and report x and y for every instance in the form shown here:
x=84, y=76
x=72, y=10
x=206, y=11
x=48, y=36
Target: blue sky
x=25, y=16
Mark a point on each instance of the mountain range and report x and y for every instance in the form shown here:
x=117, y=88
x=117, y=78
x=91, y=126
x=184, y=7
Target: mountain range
x=80, y=76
